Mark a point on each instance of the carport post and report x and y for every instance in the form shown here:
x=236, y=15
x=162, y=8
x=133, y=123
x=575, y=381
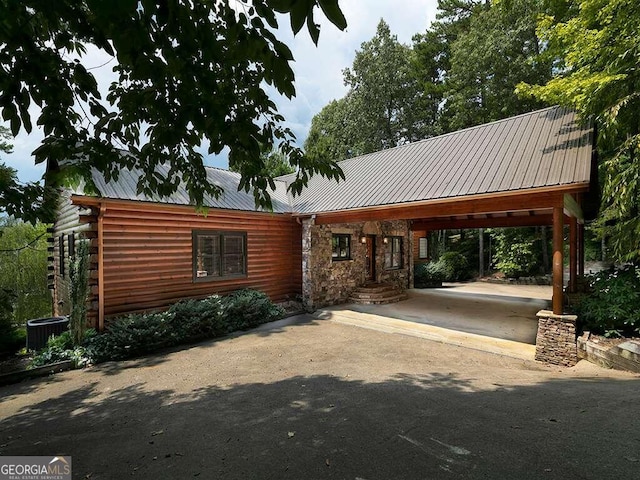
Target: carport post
x=558, y=226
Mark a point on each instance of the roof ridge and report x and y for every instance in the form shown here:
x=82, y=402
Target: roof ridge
x=443, y=135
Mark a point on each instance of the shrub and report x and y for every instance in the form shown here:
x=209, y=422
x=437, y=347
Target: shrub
x=248, y=308
x=132, y=335
x=517, y=251
x=453, y=266
x=6, y=315
x=12, y=339
x=59, y=349
x=185, y=321
x=428, y=275
x=611, y=306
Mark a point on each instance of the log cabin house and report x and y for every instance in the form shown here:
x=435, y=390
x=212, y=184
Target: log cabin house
x=335, y=237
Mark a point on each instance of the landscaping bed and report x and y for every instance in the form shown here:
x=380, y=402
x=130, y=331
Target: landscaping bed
x=185, y=322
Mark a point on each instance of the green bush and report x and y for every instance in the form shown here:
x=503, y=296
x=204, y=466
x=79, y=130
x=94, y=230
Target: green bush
x=428, y=275
x=59, y=349
x=184, y=322
x=248, y=308
x=611, y=306
x=6, y=311
x=518, y=251
x=12, y=339
x=453, y=266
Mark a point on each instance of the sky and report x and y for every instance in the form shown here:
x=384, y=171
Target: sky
x=318, y=70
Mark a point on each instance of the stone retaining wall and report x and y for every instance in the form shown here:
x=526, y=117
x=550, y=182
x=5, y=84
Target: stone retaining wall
x=327, y=282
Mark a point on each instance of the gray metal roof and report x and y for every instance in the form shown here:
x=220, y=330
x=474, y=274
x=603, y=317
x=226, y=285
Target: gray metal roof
x=125, y=188
x=538, y=149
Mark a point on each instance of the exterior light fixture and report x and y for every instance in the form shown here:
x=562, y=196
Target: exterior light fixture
x=363, y=239
x=385, y=240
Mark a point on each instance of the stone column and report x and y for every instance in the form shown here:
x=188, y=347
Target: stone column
x=556, y=339
x=307, y=277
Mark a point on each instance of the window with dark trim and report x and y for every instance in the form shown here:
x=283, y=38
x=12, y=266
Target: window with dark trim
x=218, y=255
x=393, y=255
x=61, y=255
x=423, y=251
x=71, y=241
x=340, y=247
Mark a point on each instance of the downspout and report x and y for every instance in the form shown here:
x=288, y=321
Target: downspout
x=103, y=209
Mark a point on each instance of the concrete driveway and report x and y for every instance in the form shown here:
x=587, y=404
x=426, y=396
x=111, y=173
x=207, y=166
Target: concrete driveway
x=495, y=318
x=315, y=399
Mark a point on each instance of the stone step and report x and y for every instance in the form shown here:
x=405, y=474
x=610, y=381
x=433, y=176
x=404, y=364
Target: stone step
x=376, y=287
x=380, y=300
x=373, y=295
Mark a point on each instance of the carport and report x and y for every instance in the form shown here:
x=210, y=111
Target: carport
x=495, y=318
x=531, y=170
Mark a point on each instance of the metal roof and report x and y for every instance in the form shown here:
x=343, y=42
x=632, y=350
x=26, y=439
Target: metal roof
x=126, y=186
x=538, y=149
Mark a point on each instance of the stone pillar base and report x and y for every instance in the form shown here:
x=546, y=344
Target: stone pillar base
x=556, y=339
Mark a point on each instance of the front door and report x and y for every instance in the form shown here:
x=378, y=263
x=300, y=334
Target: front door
x=371, y=258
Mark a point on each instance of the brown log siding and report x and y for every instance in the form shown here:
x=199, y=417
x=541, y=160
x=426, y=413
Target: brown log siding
x=72, y=220
x=148, y=254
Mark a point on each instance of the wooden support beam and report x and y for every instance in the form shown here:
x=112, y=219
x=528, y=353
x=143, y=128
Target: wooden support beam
x=572, y=208
x=558, y=224
x=534, y=199
x=573, y=254
x=491, y=222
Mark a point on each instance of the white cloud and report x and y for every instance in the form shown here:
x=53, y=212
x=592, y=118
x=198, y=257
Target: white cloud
x=318, y=69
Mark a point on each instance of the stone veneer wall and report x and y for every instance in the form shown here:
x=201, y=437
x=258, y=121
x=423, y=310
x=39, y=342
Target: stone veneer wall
x=556, y=339
x=326, y=282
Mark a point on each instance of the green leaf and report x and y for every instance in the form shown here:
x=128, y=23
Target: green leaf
x=333, y=12
x=314, y=29
x=298, y=15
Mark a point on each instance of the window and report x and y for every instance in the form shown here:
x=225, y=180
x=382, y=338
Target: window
x=218, y=255
x=393, y=255
x=61, y=255
x=423, y=251
x=71, y=241
x=341, y=247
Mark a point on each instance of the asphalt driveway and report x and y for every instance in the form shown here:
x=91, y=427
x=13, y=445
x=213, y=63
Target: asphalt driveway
x=319, y=399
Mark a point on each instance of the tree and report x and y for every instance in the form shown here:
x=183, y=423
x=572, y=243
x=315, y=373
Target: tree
x=596, y=51
x=381, y=109
x=17, y=200
x=333, y=134
x=383, y=92
x=497, y=49
x=23, y=256
x=429, y=61
x=189, y=73
x=275, y=164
